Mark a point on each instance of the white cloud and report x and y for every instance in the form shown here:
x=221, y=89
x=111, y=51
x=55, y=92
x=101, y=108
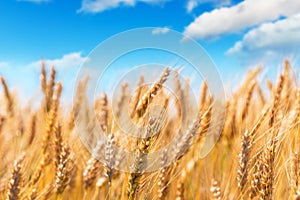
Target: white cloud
x=95, y=6
x=36, y=1
x=192, y=4
x=67, y=61
x=239, y=17
x=162, y=30
x=3, y=65
x=280, y=36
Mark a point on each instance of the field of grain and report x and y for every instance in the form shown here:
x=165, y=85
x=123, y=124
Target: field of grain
x=256, y=156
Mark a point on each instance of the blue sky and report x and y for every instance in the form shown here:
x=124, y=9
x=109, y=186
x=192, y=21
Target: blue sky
x=236, y=34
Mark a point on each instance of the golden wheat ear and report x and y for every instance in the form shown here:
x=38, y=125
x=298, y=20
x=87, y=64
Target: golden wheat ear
x=136, y=96
x=180, y=93
x=92, y=170
x=14, y=184
x=103, y=113
x=295, y=178
x=64, y=170
x=215, y=190
x=248, y=99
x=150, y=94
x=243, y=169
x=32, y=130
x=122, y=100
x=276, y=100
x=268, y=171
x=8, y=98
x=51, y=117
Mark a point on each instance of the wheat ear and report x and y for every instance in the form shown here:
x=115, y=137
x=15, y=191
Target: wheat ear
x=150, y=94
x=15, y=180
x=8, y=98
x=215, y=190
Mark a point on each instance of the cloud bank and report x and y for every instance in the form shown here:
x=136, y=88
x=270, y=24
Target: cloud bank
x=162, y=30
x=96, y=6
x=239, y=17
x=71, y=60
x=278, y=36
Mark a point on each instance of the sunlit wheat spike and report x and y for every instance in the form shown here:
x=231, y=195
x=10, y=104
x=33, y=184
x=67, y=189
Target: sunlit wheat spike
x=2, y=122
x=260, y=121
x=39, y=169
x=163, y=183
x=206, y=116
x=252, y=74
x=270, y=85
x=248, y=99
x=144, y=145
x=58, y=144
x=295, y=173
x=185, y=139
x=295, y=113
x=140, y=159
x=261, y=95
x=63, y=170
x=268, y=173
x=80, y=99
x=180, y=94
x=203, y=95
x=122, y=101
x=58, y=92
x=186, y=91
x=230, y=125
x=180, y=186
x=8, y=98
x=50, y=89
x=102, y=181
x=286, y=74
x=132, y=186
x=51, y=118
x=150, y=94
x=242, y=173
x=70, y=121
x=286, y=93
x=103, y=114
x=21, y=127
x=110, y=159
x=276, y=100
x=256, y=179
x=43, y=78
x=163, y=177
x=137, y=96
x=32, y=195
x=15, y=180
x=91, y=171
x=244, y=156
x=215, y=190
x=32, y=130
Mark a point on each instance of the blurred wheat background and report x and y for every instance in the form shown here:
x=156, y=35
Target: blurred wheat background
x=256, y=157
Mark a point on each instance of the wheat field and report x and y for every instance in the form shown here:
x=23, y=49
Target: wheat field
x=256, y=156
